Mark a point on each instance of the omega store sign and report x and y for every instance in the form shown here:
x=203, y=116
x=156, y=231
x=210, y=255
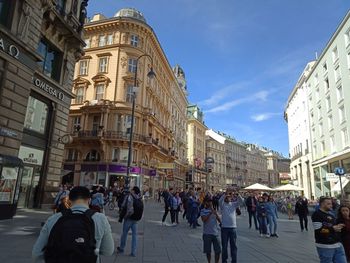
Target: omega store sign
x=53, y=92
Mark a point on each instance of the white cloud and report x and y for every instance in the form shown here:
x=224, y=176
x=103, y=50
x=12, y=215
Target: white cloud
x=264, y=116
x=261, y=95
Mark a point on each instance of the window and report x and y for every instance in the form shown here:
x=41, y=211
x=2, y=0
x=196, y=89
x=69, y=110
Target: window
x=93, y=156
x=100, y=90
x=315, y=150
x=341, y=114
x=330, y=122
x=348, y=60
x=317, y=95
x=102, y=41
x=319, y=112
x=320, y=129
x=103, y=65
x=344, y=137
x=4, y=11
x=61, y=6
x=87, y=43
x=323, y=148
x=115, y=155
x=316, y=79
x=95, y=123
x=83, y=67
x=132, y=65
x=335, y=54
x=72, y=155
x=79, y=95
x=337, y=75
x=326, y=85
x=328, y=103
x=134, y=40
x=110, y=39
x=340, y=95
x=325, y=68
x=76, y=123
x=332, y=144
x=347, y=38
x=129, y=93
x=52, y=60
x=36, y=115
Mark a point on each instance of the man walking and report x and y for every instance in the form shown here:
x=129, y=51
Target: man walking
x=328, y=245
x=132, y=211
x=167, y=196
x=251, y=204
x=76, y=235
x=302, y=210
x=228, y=204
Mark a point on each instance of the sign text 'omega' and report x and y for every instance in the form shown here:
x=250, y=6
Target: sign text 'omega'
x=48, y=89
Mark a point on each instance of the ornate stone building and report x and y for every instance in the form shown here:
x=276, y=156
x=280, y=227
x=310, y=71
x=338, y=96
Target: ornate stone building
x=100, y=115
x=256, y=165
x=196, y=152
x=40, y=41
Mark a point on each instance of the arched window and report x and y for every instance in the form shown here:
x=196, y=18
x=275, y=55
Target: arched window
x=92, y=156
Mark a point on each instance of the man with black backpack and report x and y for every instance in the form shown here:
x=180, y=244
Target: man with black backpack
x=76, y=235
x=131, y=213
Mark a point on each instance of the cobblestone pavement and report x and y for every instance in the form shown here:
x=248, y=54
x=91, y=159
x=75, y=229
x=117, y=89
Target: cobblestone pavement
x=162, y=244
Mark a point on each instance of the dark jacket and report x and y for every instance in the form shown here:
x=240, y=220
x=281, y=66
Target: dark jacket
x=249, y=203
x=301, y=207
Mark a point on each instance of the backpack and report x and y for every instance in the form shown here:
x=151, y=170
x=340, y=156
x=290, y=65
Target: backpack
x=138, y=209
x=72, y=239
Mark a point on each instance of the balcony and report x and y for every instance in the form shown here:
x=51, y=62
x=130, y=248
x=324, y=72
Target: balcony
x=118, y=135
x=88, y=134
x=296, y=156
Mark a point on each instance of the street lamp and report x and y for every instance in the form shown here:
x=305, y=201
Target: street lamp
x=150, y=75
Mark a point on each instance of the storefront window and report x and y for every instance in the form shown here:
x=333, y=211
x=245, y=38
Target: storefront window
x=36, y=115
x=346, y=165
x=8, y=181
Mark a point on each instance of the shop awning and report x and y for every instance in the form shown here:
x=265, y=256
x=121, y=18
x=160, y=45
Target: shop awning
x=12, y=161
x=258, y=187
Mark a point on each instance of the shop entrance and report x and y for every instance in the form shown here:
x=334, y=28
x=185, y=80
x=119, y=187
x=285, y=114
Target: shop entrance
x=29, y=189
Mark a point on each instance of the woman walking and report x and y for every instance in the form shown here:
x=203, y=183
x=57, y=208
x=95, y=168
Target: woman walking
x=272, y=215
x=344, y=218
x=261, y=212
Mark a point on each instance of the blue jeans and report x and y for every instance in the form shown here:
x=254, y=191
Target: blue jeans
x=229, y=234
x=126, y=227
x=332, y=255
x=272, y=219
x=262, y=224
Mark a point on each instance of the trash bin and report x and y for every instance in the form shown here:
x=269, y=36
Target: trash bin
x=10, y=180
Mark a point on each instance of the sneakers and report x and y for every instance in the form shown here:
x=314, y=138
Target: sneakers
x=261, y=235
x=120, y=250
x=132, y=255
x=267, y=235
x=274, y=235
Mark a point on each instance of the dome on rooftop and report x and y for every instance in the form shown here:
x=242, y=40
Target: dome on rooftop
x=130, y=12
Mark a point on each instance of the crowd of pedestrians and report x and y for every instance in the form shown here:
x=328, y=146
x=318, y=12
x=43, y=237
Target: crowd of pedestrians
x=80, y=222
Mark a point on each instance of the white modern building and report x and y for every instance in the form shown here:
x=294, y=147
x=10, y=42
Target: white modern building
x=318, y=112
x=329, y=109
x=297, y=117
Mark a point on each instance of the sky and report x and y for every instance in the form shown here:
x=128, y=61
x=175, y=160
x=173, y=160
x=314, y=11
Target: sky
x=241, y=58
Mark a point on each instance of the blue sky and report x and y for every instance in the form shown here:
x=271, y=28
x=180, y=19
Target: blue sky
x=241, y=57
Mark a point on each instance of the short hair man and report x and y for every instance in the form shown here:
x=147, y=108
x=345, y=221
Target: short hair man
x=327, y=233
x=79, y=197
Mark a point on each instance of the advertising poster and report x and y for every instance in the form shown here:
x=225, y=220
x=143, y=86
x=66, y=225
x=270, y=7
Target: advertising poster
x=8, y=183
x=88, y=178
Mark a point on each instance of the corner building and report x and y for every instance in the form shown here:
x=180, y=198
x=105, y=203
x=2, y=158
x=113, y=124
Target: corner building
x=40, y=41
x=100, y=114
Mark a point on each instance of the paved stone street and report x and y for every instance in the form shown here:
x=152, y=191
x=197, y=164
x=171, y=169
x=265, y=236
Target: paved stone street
x=159, y=244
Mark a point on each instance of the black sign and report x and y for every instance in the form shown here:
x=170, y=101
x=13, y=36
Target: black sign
x=9, y=47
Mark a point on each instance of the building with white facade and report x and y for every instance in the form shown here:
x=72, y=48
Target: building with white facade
x=256, y=165
x=297, y=117
x=215, y=149
x=329, y=108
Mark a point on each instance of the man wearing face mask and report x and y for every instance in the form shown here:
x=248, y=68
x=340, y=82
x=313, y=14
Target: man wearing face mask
x=229, y=202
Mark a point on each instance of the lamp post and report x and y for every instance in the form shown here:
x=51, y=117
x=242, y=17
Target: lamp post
x=150, y=75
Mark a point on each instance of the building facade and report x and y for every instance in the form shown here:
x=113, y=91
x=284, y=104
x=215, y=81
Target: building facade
x=329, y=110
x=277, y=165
x=40, y=42
x=196, y=150
x=236, y=162
x=298, y=119
x=215, y=149
x=100, y=115
x=256, y=165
